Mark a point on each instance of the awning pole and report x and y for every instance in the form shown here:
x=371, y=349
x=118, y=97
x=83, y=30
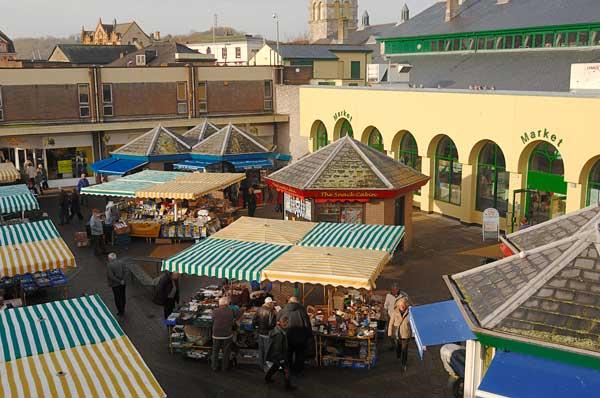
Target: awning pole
x=175, y=209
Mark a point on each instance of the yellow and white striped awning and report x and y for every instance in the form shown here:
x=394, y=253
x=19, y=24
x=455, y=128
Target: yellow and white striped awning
x=70, y=349
x=331, y=266
x=191, y=186
x=8, y=173
x=32, y=247
x=263, y=230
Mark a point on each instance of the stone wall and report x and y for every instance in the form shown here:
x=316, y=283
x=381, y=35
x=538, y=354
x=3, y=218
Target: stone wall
x=288, y=137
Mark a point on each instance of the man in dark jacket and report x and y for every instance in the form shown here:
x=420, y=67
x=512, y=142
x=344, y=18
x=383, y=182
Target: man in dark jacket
x=264, y=321
x=117, y=273
x=222, y=334
x=298, y=332
x=167, y=292
x=277, y=354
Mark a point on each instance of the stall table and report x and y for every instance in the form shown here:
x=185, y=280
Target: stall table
x=366, y=358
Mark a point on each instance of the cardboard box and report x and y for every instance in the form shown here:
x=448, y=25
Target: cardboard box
x=81, y=236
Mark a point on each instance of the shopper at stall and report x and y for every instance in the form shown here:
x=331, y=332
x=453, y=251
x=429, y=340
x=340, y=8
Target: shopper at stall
x=278, y=353
x=244, y=187
x=75, y=206
x=264, y=321
x=399, y=329
x=222, y=334
x=117, y=273
x=167, y=292
x=97, y=232
x=30, y=171
x=298, y=332
x=251, y=202
x=112, y=216
x=63, y=207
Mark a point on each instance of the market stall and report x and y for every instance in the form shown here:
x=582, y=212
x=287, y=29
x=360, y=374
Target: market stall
x=32, y=256
x=17, y=199
x=8, y=173
x=72, y=348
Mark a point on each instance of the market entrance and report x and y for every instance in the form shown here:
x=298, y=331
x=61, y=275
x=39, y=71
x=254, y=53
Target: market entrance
x=546, y=194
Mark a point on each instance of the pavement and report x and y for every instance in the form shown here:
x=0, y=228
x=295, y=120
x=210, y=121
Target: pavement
x=437, y=241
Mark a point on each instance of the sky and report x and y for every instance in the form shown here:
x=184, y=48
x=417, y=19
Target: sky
x=35, y=18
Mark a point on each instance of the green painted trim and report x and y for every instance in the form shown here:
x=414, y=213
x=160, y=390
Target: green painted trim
x=422, y=44
x=508, y=344
x=546, y=182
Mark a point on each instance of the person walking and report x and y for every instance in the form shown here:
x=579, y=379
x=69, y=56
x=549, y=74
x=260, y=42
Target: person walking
x=38, y=180
x=399, y=329
x=63, y=207
x=222, y=334
x=117, y=273
x=97, y=231
x=75, y=206
x=82, y=183
x=167, y=292
x=251, y=202
x=298, y=332
x=44, y=176
x=264, y=321
x=278, y=353
x=30, y=171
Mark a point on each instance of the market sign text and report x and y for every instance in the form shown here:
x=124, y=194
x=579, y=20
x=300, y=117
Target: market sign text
x=543, y=134
x=342, y=114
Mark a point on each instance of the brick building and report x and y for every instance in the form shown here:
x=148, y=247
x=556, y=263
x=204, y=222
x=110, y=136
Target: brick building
x=8, y=55
x=68, y=118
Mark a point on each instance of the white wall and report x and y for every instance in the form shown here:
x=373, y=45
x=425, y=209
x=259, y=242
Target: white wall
x=248, y=49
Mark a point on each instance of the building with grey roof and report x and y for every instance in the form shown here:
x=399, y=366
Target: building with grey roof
x=80, y=54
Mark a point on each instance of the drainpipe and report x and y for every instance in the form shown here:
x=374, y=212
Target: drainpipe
x=193, y=85
x=96, y=92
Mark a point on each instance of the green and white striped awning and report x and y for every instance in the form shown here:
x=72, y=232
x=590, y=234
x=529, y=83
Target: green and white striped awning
x=17, y=198
x=354, y=236
x=223, y=258
x=127, y=186
x=72, y=349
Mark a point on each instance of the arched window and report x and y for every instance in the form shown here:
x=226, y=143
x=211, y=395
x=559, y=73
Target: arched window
x=546, y=159
x=376, y=140
x=492, y=179
x=408, y=152
x=320, y=139
x=346, y=129
x=546, y=178
x=448, y=172
x=593, y=191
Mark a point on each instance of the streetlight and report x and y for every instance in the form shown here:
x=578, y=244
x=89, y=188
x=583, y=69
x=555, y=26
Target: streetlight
x=276, y=18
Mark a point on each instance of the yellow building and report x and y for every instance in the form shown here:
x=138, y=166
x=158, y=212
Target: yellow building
x=321, y=64
x=532, y=156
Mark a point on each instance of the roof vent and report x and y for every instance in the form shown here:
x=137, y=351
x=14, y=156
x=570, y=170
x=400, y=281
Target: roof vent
x=405, y=15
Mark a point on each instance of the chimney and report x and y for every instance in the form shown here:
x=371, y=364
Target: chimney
x=405, y=15
x=157, y=35
x=342, y=27
x=501, y=2
x=115, y=23
x=452, y=7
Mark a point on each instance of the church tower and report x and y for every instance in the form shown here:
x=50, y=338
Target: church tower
x=327, y=17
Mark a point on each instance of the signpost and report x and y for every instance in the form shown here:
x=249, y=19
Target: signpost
x=491, y=224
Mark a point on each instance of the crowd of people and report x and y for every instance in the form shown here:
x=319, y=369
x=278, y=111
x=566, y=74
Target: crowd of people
x=36, y=178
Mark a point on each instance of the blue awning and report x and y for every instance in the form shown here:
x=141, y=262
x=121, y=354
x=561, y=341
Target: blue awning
x=194, y=165
x=119, y=167
x=516, y=375
x=437, y=324
x=241, y=165
x=283, y=156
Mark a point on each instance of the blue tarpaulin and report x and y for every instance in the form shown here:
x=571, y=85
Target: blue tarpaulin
x=523, y=376
x=437, y=324
x=241, y=165
x=194, y=165
x=119, y=167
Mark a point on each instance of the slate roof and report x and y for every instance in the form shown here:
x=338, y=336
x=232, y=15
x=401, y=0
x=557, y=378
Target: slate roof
x=9, y=42
x=230, y=140
x=485, y=15
x=555, y=229
x=348, y=164
x=537, y=70
x=162, y=53
x=551, y=295
x=200, y=132
x=93, y=54
x=157, y=142
x=317, y=51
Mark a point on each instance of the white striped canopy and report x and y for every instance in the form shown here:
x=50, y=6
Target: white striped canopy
x=17, y=198
x=354, y=236
x=70, y=349
x=127, y=186
x=32, y=247
x=190, y=186
x=8, y=173
x=223, y=258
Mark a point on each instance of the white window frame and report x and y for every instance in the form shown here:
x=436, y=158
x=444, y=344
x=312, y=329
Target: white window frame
x=182, y=104
x=84, y=104
x=203, y=102
x=238, y=53
x=140, y=60
x=107, y=104
x=268, y=99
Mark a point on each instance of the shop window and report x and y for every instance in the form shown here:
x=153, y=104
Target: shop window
x=69, y=162
x=508, y=42
x=560, y=40
x=346, y=129
x=596, y=38
x=408, y=153
x=448, y=45
x=492, y=180
x=548, y=39
x=182, y=105
x=464, y=44
x=355, y=70
x=593, y=192
x=83, y=91
x=500, y=43
x=224, y=53
x=320, y=139
x=481, y=43
x=268, y=95
x=584, y=38
x=518, y=42
x=489, y=43
x=202, y=97
x=448, y=172
x=107, y=100
x=440, y=45
x=348, y=213
x=527, y=41
x=546, y=159
x=538, y=40
x=433, y=45
x=572, y=39
x=376, y=140
x=456, y=44
x=238, y=53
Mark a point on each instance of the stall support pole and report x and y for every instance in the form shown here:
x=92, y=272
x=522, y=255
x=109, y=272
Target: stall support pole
x=175, y=209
